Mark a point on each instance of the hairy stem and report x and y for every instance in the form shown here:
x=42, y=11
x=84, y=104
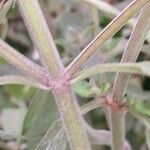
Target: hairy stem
x=10, y=79
x=135, y=68
x=21, y=62
x=103, y=36
x=130, y=55
x=133, y=49
x=65, y=99
x=40, y=34
x=71, y=117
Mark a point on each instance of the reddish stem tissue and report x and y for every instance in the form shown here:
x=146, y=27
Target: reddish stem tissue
x=114, y=104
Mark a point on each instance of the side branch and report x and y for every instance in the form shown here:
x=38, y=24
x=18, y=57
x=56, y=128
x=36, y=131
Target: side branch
x=135, y=68
x=10, y=79
x=21, y=62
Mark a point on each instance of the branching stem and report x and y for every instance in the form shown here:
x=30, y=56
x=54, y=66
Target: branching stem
x=130, y=55
x=64, y=97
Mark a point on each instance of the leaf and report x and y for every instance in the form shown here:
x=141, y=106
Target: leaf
x=15, y=90
x=104, y=87
x=83, y=88
x=19, y=92
x=148, y=138
x=41, y=114
x=143, y=107
x=54, y=139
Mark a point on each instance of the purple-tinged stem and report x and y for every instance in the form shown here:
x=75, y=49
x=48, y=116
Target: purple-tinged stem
x=71, y=117
x=64, y=97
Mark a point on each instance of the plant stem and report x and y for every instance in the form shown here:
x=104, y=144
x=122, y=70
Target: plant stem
x=10, y=79
x=130, y=55
x=104, y=7
x=108, y=9
x=21, y=62
x=71, y=117
x=40, y=34
x=91, y=106
x=65, y=99
x=102, y=137
x=103, y=36
x=133, y=49
x=135, y=68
